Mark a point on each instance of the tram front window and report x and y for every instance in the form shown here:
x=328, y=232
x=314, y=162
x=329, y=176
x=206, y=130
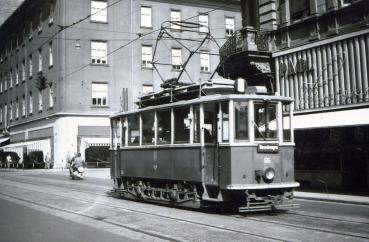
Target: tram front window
x=164, y=128
x=182, y=125
x=241, y=120
x=286, y=123
x=148, y=128
x=265, y=122
x=133, y=130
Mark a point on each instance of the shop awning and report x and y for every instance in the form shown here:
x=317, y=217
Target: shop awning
x=4, y=139
x=96, y=141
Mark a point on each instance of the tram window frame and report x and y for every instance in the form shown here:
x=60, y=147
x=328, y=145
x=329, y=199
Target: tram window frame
x=183, y=131
x=168, y=138
x=115, y=129
x=148, y=131
x=237, y=131
x=286, y=116
x=264, y=136
x=124, y=131
x=136, y=122
x=196, y=124
x=225, y=121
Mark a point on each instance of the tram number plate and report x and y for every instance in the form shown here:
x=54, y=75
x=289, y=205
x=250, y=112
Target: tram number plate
x=268, y=148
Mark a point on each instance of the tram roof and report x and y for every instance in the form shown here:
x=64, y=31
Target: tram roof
x=209, y=98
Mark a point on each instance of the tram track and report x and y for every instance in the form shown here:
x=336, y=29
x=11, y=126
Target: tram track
x=286, y=224
x=219, y=228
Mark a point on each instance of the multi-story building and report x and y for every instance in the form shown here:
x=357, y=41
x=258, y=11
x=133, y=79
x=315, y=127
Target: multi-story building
x=65, y=66
x=320, y=57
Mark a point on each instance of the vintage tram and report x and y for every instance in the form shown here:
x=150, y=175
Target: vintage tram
x=206, y=144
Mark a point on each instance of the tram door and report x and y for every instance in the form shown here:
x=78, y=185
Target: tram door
x=211, y=145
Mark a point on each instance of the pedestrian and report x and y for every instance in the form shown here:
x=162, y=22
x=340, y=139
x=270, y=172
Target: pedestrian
x=8, y=160
x=68, y=160
x=47, y=161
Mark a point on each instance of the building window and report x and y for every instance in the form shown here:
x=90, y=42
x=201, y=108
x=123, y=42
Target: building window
x=229, y=26
x=99, y=94
x=99, y=51
x=175, y=16
x=40, y=100
x=30, y=67
x=16, y=75
x=30, y=103
x=177, y=59
x=1, y=114
x=204, y=21
x=51, y=98
x=51, y=14
x=39, y=60
x=146, y=56
x=16, y=109
x=40, y=22
x=51, y=57
x=23, y=70
x=146, y=17
x=205, y=62
x=299, y=9
x=30, y=30
x=23, y=106
x=5, y=82
x=99, y=11
x=1, y=84
x=10, y=79
x=11, y=111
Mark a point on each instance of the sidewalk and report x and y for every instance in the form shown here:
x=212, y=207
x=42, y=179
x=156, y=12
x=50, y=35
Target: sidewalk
x=360, y=200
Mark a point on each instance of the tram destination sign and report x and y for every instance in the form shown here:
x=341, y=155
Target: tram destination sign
x=268, y=148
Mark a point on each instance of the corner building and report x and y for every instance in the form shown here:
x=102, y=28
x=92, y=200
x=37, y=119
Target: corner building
x=320, y=50
x=60, y=81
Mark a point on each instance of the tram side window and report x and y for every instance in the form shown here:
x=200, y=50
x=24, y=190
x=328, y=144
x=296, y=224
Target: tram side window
x=196, y=126
x=148, y=128
x=182, y=125
x=241, y=120
x=164, y=129
x=225, y=121
x=210, y=113
x=265, y=122
x=133, y=130
x=286, y=124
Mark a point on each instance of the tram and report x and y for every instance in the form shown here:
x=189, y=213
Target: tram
x=217, y=142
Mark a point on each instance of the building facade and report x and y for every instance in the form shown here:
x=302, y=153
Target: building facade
x=320, y=57
x=61, y=78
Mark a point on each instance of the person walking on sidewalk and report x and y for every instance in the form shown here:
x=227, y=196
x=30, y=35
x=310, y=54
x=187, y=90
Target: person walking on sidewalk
x=8, y=160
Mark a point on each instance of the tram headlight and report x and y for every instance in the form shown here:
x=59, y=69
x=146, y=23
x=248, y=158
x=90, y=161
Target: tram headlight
x=269, y=174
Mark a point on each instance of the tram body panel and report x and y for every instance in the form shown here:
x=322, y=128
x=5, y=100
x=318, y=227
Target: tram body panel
x=180, y=163
x=239, y=165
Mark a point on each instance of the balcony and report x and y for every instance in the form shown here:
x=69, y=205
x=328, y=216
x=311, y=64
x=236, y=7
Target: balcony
x=242, y=40
x=247, y=52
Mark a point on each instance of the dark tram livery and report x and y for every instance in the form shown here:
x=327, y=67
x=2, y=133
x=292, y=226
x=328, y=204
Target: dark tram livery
x=206, y=144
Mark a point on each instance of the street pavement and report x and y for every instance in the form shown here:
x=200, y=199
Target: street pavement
x=46, y=205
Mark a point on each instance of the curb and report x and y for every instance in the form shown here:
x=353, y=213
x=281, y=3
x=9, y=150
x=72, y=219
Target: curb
x=332, y=200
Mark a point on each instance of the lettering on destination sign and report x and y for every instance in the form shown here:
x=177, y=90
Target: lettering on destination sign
x=268, y=148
